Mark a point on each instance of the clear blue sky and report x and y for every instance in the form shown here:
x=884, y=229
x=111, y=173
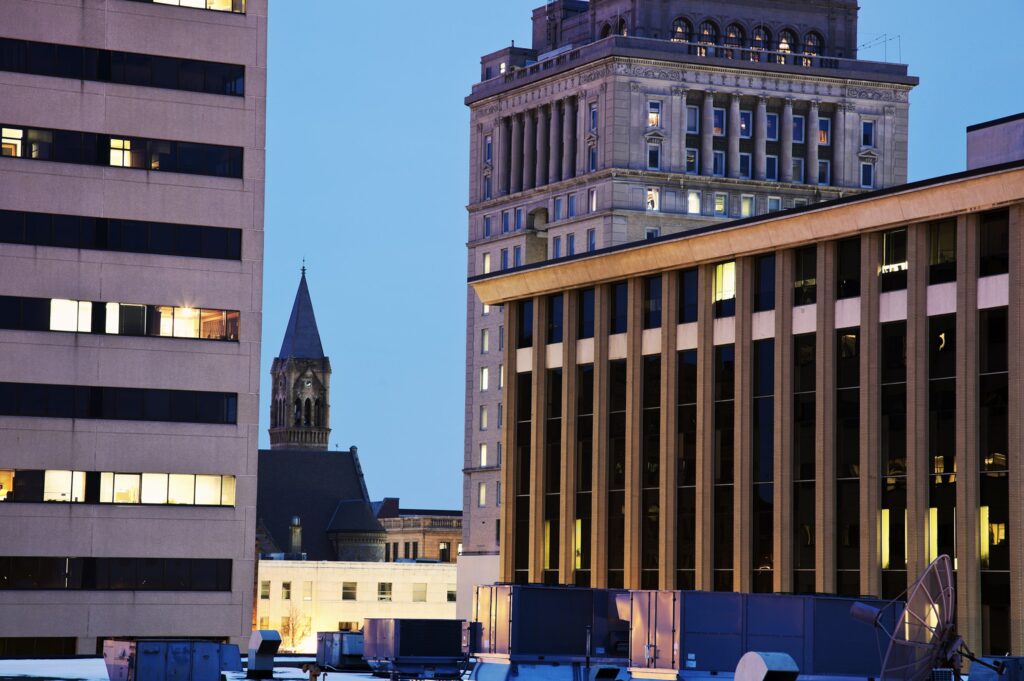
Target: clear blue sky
x=367, y=153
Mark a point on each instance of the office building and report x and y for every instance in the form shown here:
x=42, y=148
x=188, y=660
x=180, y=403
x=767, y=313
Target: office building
x=627, y=120
x=820, y=401
x=131, y=262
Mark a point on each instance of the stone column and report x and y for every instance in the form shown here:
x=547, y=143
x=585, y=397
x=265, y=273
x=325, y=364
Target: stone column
x=705, y=467
x=733, y=131
x=841, y=144
x=542, y=147
x=504, y=156
x=569, y=138
x=516, y=181
x=811, y=134
x=530, y=149
x=917, y=400
x=824, y=421
x=707, y=135
x=567, y=489
x=634, y=412
x=782, y=468
x=599, y=494
x=675, y=153
x=760, y=137
x=870, y=415
x=786, y=154
x=668, y=479
x=743, y=468
x=555, y=145
x=537, y=449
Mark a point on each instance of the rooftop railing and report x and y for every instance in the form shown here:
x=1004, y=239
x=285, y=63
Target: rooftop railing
x=422, y=523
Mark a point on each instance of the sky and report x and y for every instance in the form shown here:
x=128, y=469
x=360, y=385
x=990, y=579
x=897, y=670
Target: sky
x=367, y=161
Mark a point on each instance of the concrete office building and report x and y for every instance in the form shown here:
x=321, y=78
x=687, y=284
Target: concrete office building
x=821, y=401
x=630, y=119
x=131, y=258
x=993, y=142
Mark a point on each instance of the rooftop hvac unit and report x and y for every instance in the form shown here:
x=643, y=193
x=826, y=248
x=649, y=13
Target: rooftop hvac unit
x=414, y=648
x=339, y=650
x=169, y=660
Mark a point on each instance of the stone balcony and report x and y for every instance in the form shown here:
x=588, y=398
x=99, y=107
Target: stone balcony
x=422, y=523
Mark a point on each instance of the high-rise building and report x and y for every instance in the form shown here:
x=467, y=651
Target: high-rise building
x=628, y=120
x=131, y=264
x=820, y=401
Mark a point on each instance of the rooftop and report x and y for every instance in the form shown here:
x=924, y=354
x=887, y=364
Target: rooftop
x=301, y=336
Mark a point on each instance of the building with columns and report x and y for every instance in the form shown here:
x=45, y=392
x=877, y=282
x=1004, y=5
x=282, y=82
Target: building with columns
x=629, y=120
x=818, y=401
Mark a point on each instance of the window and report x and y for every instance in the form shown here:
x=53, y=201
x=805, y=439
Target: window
x=236, y=6
x=121, y=153
x=503, y=258
x=651, y=233
x=419, y=592
x=501, y=379
x=745, y=166
x=557, y=212
x=718, y=164
x=787, y=43
x=487, y=226
x=692, y=120
x=718, y=116
x=556, y=247
x=501, y=416
x=772, y=127
x=771, y=168
x=693, y=202
x=746, y=124
x=824, y=172
x=805, y=269
x=286, y=591
x=70, y=315
x=586, y=318
x=63, y=486
x=481, y=494
x=348, y=591
x=519, y=219
x=501, y=338
x=653, y=198
x=591, y=240
x=451, y=595
x=517, y=256
x=652, y=302
x=307, y=591
x=488, y=148
x=688, y=308
x=124, y=68
x=682, y=31
x=721, y=204
x=764, y=283
x=994, y=243
x=485, y=341
x=867, y=134
x=592, y=158
x=848, y=268
x=10, y=142
x=619, y=317
x=484, y=378
x=798, y=170
x=707, y=34
x=383, y=591
x=799, y=130
x=653, y=114
x=487, y=263
x=483, y=417
x=774, y=204
x=592, y=200
x=593, y=117
x=115, y=574
x=825, y=131
x=746, y=205
x=570, y=244
x=556, y=311
x=571, y=206
x=487, y=191
x=483, y=455
x=724, y=290
x=867, y=175
x=505, y=222
x=264, y=590
x=692, y=161
x=444, y=551
x=654, y=156
x=893, y=270
x=760, y=39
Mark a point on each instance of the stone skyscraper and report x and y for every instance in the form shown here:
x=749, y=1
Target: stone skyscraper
x=628, y=120
x=131, y=265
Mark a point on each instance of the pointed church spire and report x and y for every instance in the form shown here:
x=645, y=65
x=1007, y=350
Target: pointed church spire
x=301, y=336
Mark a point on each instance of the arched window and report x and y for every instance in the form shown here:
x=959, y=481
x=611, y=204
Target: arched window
x=606, y=30
x=320, y=421
x=316, y=414
x=623, y=31
x=307, y=416
x=812, y=47
x=682, y=31
x=787, y=44
x=760, y=39
x=734, y=37
x=707, y=35
x=298, y=412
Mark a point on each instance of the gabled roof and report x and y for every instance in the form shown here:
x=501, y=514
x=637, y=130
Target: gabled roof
x=301, y=336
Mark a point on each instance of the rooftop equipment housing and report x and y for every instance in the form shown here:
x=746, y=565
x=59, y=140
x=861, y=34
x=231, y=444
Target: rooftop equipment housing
x=414, y=648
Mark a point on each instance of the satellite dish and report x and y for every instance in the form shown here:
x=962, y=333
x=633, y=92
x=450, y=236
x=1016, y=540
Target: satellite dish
x=924, y=636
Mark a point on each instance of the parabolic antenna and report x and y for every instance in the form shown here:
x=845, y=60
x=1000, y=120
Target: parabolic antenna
x=924, y=636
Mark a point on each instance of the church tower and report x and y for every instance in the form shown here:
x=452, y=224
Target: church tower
x=300, y=410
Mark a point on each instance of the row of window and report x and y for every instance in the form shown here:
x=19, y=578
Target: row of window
x=735, y=35
x=993, y=259
x=129, y=236
x=721, y=204
x=125, y=68
x=745, y=171
x=350, y=591
x=115, y=574
x=236, y=6
x=90, y=148
x=504, y=261
x=123, y=404
x=89, y=487
x=120, y=319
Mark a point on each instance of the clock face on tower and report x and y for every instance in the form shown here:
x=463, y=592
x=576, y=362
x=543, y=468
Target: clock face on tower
x=307, y=383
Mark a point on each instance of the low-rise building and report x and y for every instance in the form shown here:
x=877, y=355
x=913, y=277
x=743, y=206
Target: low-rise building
x=416, y=533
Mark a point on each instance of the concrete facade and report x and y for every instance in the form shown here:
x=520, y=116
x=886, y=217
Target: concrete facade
x=908, y=297
x=998, y=141
x=117, y=530
x=337, y=596
x=629, y=120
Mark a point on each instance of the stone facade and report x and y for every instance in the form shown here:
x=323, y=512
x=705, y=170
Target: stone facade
x=634, y=120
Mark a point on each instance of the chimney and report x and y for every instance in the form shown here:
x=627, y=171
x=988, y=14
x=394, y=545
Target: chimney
x=296, y=529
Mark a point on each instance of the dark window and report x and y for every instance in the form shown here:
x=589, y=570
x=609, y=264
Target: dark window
x=652, y=302
x=525, y=339
x=725, y=372
x=586, y=318
x=992, y=340
x=764, y=283
x=894, y=352
x=555, y=309
x=805, y=268
x=994, y=243
x=688, y=296
x=619, y=318
x=115, y=574
x=942, y=346
x=584, y=469
x=893, y=271
x=942, y=252
x=847, y=358
x=128, y=68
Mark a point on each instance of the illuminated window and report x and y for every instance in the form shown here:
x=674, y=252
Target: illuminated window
x=64, y=486
x=181, y=489
x=825, y=131
x=734, y=37
x=707, y=35
x=154, y=488
x=286, y=591
x=485, y=310
x=213, y=324
x=760, y=40
x=746, y=124
x=483, y=455
x=787, y=43
x=485, y=341
x=264, y=592
x=10, y=141
x=487, y=263
x=692, y=161
x=502, y=68
x=746, y=205
x=693, y=202
x=383, y=591
x=6, y=483
x=653, y=114
x=483, y=417
x=718, y=117
x=419, y=592
x=812, y=47
x=653, y=198
x=721, y=205
x=127, y=487
x=227, y=490
x=120, y=153
x=484, y=378
x=481, y=494
x=70, y=315
x=348, y=591
x=186, y=322
x=724, y=291
x=208, y=490
x=893, y=269
x=591, y=201
x=682, y=31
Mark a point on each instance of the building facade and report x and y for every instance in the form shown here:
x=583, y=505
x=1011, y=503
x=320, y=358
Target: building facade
x=822, y=401
x=298, y=599
x=131, y=253
x=627, y=120
x=420, y=534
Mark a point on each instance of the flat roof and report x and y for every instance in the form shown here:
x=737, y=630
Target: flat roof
x=997, y=121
